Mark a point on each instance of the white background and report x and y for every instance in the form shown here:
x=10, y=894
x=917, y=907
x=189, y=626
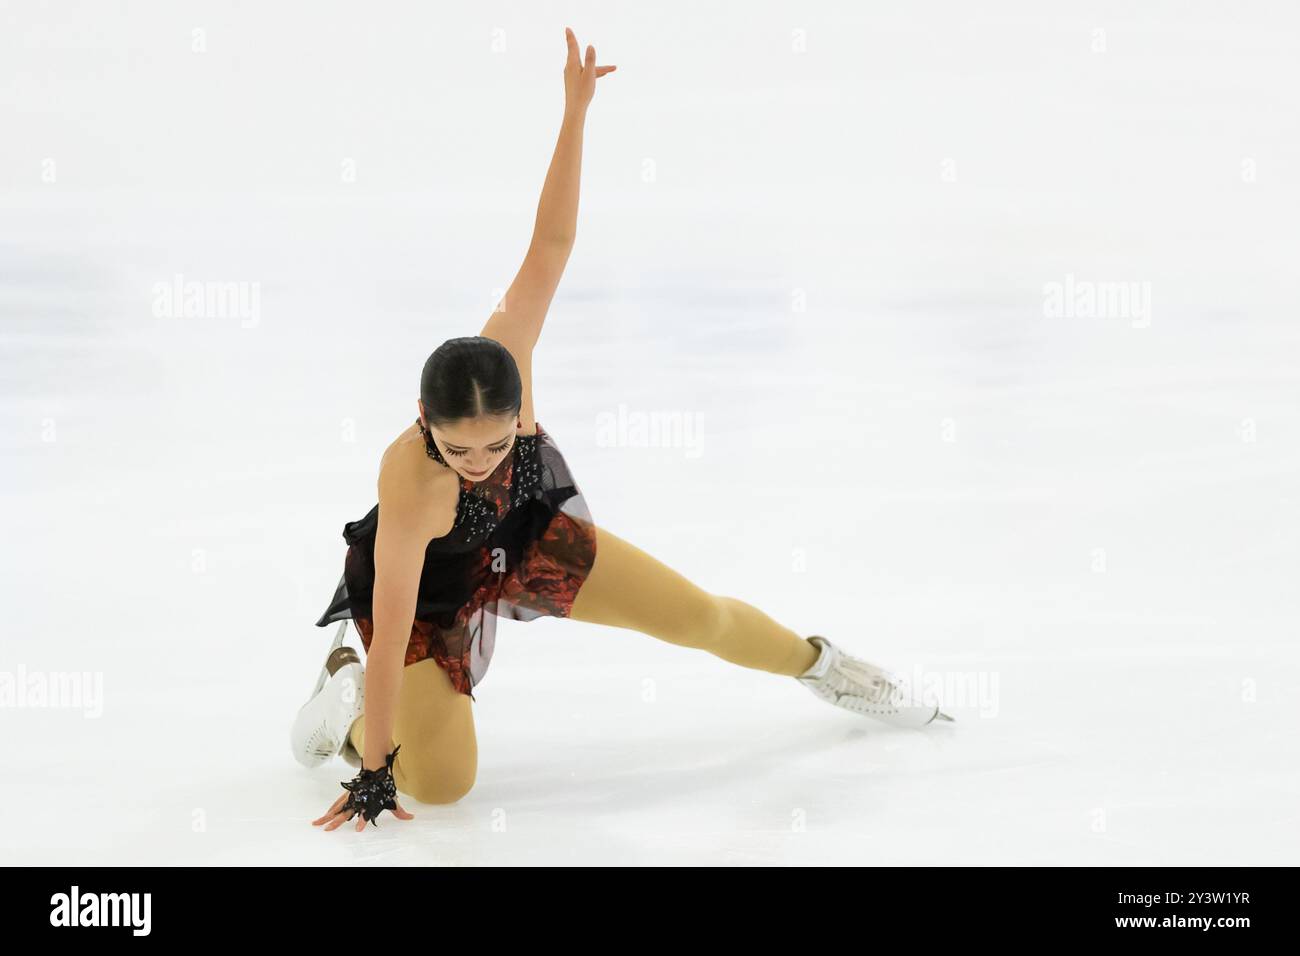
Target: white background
x=822, y=232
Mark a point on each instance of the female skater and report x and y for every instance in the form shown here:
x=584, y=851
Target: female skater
x=479, y=517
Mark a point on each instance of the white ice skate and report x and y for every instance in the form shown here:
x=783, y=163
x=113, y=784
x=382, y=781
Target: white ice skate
x=863, y=688
x=320, y=731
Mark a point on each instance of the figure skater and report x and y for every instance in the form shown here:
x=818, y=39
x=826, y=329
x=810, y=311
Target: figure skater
x=482, y=519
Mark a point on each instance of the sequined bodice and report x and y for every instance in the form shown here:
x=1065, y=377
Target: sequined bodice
x=482, y=505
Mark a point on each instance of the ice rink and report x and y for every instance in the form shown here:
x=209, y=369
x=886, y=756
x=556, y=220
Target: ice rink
x=973, y=327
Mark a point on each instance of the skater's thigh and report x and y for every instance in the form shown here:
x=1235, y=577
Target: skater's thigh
x=435, y=729
x=629, y=588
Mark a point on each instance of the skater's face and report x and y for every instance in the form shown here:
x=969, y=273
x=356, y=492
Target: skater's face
x=474, y=447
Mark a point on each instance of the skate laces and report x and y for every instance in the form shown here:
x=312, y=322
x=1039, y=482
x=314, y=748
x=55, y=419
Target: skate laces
x=853, y=676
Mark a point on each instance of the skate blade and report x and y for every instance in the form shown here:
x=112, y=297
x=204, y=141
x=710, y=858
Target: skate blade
x=942, y=716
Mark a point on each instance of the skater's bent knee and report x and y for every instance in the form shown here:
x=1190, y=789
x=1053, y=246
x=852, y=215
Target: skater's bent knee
x=445, y=783
x=440, y=790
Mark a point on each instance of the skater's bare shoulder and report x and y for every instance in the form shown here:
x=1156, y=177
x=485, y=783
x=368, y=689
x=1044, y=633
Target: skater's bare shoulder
x=417, y=493
x=406, y=452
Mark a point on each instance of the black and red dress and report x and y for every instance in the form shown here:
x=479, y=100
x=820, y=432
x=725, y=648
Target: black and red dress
x=522, y=545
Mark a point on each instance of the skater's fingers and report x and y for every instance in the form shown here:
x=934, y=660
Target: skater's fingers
x=335, y=807
x=340, y=819
x=572, y=43
x=327, y=816
x=403, y=814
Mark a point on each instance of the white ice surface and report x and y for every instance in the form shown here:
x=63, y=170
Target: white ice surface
x=833, y=261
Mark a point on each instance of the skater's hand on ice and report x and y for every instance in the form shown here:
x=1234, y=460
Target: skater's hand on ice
x=580, y=78
x=336, y=816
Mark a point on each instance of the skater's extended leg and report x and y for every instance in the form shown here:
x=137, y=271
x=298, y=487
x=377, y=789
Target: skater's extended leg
x=631, y=589
x=435, y=728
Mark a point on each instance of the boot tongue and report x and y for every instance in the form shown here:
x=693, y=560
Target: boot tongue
x=822, y=665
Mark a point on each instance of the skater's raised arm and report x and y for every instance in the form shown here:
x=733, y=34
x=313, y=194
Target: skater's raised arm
x=516, y=322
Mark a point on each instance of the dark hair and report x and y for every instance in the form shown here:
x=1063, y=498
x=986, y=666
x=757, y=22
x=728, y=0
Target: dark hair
x=468, y=377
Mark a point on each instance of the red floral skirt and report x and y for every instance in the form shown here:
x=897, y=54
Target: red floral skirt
x=539, y=550
x=544, y=583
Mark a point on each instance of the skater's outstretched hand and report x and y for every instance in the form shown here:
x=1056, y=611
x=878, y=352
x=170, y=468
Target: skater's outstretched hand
x=579, y=77
x=336, y=816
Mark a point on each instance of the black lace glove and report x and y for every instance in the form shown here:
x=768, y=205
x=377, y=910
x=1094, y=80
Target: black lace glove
x=373, y=791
